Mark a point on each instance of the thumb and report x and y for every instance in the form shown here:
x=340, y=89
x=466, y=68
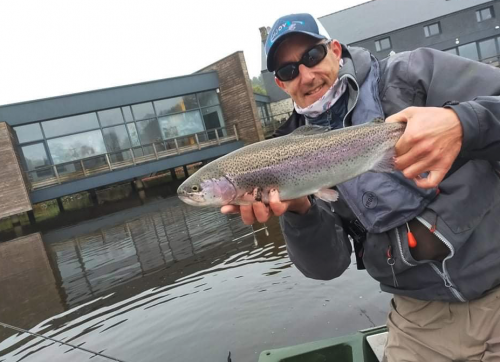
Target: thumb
x=431, y=181
x=402, y=116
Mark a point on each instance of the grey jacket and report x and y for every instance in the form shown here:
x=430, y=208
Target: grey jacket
x=465, y=214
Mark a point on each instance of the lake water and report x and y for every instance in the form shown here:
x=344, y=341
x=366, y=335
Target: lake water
x=169, y=282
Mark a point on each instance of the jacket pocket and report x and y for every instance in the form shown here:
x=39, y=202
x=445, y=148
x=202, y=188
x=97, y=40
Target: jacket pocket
x=466, y=197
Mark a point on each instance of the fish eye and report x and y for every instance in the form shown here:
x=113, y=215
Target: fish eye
x=195, y=188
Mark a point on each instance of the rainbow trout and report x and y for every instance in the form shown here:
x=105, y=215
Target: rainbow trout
x=308, y=161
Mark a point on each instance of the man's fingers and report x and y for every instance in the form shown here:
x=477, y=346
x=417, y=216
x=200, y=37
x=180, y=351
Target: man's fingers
x=230, y=209
x=247, y=214
x=278, y=207
x=431, y=181
x=261, y=212
x=398, y=117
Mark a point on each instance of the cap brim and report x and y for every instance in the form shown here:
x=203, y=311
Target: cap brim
x=272, y=50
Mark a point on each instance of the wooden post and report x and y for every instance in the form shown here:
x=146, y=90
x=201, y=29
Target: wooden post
x=154, y=149
x=57, y=174
x=132, y=154
x=109, y=163
x=197, y=140
x=83, y=168
x=236, y=133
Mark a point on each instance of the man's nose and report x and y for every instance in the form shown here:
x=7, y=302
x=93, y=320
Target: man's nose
x=306, y=73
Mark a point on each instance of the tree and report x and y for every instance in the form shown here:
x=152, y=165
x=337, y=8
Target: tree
x=258, y=85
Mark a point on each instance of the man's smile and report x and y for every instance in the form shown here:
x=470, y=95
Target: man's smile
x=315, y=90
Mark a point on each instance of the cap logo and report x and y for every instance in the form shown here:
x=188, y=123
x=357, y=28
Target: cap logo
x=278, y=30
x=286, y=26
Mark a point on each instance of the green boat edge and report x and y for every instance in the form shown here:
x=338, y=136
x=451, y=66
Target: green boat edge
x=350, y=348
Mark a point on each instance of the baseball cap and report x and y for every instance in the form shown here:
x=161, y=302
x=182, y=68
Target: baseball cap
x=291, y=24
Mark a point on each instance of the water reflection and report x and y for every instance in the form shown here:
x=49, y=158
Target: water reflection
x=167, y=282
x=88, y=265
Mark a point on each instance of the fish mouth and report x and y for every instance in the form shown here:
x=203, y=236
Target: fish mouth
x=191, y=199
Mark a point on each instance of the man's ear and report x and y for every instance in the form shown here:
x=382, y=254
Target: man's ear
x=280, y=84
x=336, y=48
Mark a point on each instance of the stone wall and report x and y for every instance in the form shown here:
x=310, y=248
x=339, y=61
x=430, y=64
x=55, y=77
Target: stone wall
x=14, y=198
x=284, y=106
x=236, y=95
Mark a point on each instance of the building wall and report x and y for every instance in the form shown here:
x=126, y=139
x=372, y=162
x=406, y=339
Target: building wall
x=462, y=25
x=237, y=99
x=13, y=191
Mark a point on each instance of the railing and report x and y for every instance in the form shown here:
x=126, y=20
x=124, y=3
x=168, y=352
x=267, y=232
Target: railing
x=272, y=123
x=69, y=171
x=494, y=61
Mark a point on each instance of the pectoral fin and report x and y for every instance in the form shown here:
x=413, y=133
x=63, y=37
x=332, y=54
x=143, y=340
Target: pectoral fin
x=328, y=195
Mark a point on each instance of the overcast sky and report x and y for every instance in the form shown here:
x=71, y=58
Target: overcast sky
x=50, y=48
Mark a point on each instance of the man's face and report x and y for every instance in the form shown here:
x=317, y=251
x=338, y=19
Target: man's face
x=311, y=83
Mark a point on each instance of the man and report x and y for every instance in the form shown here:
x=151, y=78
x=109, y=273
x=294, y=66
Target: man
x=446, y=303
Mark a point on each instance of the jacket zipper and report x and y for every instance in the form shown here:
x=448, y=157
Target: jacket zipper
x=443, y=274
x=355, y=101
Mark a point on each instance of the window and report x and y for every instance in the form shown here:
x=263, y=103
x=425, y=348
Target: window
x=116, y=138
x=35, y=156
x=484, y=14
x=148, y=131
x=77, y=146
x=134, y=137
x=127, y=113
x=75, y=124
x=181, y=124
x=383, y=44
x=143, y=111
x=29, y=133
x=110, y=117
x=432, y=29
x=212, y=118
x=488, y=48
x=451, y=51
x=208, y=98
x=468, y=51
x=176, y=105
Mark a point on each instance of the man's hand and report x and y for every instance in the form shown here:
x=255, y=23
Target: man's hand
x=431, y=143
x=261, y=212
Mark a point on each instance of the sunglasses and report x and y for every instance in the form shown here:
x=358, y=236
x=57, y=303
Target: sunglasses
x=310, y=58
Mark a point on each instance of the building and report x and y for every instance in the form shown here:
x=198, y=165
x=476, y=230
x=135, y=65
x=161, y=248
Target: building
x=63, y=145
x=469, y=28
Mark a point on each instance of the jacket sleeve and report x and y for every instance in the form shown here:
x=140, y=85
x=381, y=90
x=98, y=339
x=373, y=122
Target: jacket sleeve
x=316, y=241
x=475, y=86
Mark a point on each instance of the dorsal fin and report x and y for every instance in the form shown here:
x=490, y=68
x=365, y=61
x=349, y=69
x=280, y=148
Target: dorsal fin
x=309, y=130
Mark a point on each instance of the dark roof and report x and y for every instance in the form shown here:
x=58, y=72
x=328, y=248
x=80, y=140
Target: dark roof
x=378, y=17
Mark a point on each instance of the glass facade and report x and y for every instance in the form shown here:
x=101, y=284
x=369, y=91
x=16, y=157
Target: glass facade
x=68, y=125
x=110, y=117
x=181, y=124
x=122, y=133
x=77, y=146
x=487, y=50
x=29, y=133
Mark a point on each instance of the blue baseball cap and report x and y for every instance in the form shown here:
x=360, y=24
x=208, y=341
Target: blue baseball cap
x=291, y=24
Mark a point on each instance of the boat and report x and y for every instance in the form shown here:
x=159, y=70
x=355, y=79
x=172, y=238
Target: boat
x=366, y=345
